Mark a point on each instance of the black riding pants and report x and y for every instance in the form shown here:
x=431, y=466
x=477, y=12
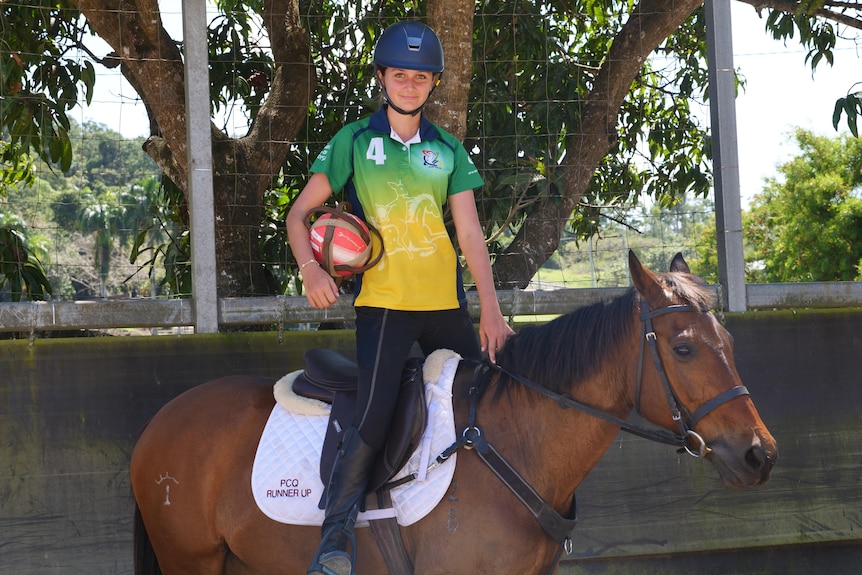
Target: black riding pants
x=384, y=338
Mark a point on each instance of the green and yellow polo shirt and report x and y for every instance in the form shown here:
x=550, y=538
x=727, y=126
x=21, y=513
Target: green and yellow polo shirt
x=400, y=189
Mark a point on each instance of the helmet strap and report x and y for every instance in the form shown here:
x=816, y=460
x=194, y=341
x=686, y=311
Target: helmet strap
x=401, y=111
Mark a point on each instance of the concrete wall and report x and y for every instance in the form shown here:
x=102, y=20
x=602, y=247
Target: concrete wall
x=70, y=411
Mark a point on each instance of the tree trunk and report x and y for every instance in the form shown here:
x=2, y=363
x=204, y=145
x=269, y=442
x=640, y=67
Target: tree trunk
x=244, y=167
x=453, y=22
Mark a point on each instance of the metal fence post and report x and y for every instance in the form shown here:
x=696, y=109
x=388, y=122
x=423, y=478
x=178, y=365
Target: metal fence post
x=201, y=207
x=725, y=154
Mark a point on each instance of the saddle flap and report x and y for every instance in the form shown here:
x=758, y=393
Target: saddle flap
x=405, y=432
x=407, y=426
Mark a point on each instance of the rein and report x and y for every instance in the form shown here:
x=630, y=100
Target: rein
x=557, y=527
x=681, y=416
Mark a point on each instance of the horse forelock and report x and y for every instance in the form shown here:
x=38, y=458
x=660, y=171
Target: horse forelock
x=570, y=348
x=690, y=290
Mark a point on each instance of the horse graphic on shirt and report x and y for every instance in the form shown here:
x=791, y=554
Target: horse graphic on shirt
x=399, y=219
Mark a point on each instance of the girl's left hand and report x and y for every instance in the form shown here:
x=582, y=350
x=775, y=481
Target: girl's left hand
x=493, y=333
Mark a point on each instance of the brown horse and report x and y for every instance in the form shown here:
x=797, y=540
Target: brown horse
x=553, y=412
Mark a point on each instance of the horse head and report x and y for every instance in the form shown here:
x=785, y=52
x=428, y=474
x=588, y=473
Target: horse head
x=692, y=385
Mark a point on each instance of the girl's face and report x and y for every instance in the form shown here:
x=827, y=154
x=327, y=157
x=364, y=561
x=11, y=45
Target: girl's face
x=407, y=89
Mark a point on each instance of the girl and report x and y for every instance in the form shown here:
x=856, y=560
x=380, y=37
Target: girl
x=397, y=169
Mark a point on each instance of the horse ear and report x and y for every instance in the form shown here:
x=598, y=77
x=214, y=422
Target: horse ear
x=646, y=282
x=678, y=264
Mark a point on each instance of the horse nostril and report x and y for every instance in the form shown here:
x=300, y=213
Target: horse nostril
x=759, y=460
x=755, y=457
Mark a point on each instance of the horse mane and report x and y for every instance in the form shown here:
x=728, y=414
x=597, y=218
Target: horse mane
x=575, y=346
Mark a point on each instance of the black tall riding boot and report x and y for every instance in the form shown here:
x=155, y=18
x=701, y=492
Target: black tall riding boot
x=343, y=497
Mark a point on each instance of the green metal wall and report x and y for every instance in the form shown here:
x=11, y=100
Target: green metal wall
x=70, y=411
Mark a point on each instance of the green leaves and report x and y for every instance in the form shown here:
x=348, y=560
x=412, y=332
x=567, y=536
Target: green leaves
x=240, y=67
x=163, y=236
x=808, y=227
x=852, y=106
x=20, y=269
x=815, y=34
x=39, y=80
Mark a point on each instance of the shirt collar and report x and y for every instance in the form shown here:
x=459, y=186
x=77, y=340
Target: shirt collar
x=415, y=139
x=380, y=123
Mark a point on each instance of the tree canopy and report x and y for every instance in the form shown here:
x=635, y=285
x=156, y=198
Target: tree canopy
x=807, y=224
x=571, y=109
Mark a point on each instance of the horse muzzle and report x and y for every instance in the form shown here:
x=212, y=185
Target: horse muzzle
x=743, y=464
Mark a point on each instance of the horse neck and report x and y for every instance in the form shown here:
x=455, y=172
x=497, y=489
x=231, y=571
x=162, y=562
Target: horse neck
x=553, y=448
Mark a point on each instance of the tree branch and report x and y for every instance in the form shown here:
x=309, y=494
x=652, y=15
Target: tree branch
x=650, y=23
x=837, y=15
x=153, y=65
x=291, y=89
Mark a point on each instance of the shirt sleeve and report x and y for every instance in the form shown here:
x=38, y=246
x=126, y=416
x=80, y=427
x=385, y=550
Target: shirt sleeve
x=335, y=161
x=465, y=176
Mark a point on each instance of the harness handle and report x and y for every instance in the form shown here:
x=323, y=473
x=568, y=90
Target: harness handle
x=339, y=212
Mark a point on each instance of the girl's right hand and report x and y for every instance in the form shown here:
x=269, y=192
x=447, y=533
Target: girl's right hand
x=319, y=287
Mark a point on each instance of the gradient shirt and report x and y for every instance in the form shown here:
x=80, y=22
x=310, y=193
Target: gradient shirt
x=400, y=189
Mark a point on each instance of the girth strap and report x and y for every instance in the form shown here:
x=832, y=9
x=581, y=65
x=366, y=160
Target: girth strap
x=388, y=537
x=560, y=529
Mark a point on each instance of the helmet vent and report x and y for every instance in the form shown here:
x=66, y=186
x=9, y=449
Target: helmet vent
x=414, y=44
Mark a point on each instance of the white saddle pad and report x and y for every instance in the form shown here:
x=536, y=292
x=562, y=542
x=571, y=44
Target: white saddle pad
x=285, y=479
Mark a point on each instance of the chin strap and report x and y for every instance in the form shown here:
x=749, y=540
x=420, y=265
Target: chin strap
x=402, y=111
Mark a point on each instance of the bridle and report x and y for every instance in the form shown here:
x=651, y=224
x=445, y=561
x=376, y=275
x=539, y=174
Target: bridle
x=685, y=420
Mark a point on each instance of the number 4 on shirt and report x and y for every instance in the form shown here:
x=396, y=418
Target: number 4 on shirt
x=375, y=151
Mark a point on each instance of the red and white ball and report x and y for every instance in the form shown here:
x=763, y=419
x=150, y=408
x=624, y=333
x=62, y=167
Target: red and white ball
x=341, y=245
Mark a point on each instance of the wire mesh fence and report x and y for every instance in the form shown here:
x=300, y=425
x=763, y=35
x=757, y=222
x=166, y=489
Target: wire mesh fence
x=110, y=227
x=104, y=227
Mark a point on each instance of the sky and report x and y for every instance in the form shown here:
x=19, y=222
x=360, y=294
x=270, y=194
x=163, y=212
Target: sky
x=781, y=93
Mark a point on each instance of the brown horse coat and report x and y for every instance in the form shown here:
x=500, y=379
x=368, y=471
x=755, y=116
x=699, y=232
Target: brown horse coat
x=191, y=468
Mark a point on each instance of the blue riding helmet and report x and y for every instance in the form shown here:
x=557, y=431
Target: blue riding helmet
x=409, y=45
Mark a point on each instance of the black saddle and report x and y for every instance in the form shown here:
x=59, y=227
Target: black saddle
x=330, y=377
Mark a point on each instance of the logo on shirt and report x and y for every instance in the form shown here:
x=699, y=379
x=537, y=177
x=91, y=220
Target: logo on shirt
x=431, y=159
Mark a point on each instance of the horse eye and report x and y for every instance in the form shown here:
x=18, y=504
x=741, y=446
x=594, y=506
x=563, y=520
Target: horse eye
x=683, y=351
